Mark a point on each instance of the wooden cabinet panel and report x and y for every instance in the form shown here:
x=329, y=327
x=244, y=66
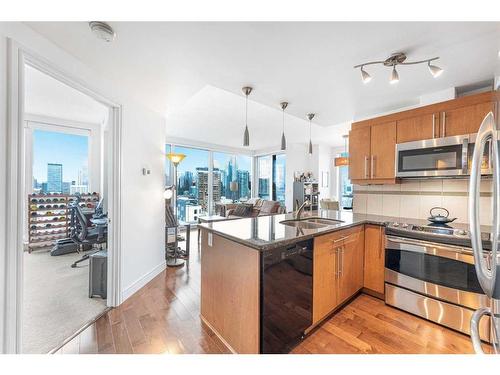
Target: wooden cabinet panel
x=417, y=128
x=351, y=265
x=374, y=258
x=481, y=110
x=383, y=151
x=359, y=153
x=324, y=276
x=456, y=121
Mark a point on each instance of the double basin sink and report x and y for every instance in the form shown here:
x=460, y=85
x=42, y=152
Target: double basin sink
x=311, y=222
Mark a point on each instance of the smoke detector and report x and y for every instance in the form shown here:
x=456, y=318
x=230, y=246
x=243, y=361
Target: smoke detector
x=102, y=30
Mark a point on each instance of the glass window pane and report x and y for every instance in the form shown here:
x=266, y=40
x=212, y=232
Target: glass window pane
x=345, y=186
x=279, y=175
x=60, y=162
x=192, y=184
x=264, y=167
x=232, y=178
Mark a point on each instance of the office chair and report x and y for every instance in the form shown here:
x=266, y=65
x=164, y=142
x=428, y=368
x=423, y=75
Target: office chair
x=89, y=233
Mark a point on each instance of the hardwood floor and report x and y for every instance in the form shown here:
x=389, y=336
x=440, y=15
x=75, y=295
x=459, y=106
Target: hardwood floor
x=163, y=317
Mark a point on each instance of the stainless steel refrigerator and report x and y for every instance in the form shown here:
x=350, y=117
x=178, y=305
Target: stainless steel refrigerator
x=487, y=263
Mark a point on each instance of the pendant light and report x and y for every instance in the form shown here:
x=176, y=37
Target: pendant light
x=246, y=136
x=310, y=116
x=342, y=160
x=283, y=139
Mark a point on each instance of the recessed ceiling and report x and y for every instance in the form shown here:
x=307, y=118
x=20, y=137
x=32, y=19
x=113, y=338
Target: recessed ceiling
x=164, y=64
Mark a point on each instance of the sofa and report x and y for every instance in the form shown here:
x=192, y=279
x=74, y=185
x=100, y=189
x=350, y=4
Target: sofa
x=252, y=208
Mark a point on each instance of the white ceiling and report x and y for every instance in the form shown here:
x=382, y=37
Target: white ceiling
x=47, y=96
x=186, y=70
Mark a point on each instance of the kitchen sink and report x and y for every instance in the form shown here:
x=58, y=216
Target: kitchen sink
x=302, y=224
x=322, y=220
x=311, y=222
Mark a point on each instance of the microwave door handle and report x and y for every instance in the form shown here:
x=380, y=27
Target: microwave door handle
x=465, y=155
x=474, y=328
x=486, y=275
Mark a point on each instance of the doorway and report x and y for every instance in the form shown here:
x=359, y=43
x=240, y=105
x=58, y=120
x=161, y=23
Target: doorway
x=60, y=161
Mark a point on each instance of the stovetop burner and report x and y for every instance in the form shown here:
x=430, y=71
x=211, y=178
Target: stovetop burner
x=440, y=233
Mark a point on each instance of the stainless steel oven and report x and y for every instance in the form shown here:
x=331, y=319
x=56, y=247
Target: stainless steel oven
x=439, y=157
x=435, y=281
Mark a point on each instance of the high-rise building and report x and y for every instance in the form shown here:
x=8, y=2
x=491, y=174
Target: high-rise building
x=243, y=179
x=202, y=184
x=264, y=188
x=54, y=178
x=66, y=187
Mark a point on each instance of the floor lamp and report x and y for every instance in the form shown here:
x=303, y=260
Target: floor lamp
x=175, y=159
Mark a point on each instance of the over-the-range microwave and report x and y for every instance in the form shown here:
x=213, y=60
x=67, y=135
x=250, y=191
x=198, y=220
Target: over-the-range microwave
x=439, y=157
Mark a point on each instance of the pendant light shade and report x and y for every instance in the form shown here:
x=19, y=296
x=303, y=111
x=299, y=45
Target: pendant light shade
x=365, y=76
x=436, y=71
x=342, y=160
x=246, y=135
x=394, y=76
x=310, y=116
x=283, y=139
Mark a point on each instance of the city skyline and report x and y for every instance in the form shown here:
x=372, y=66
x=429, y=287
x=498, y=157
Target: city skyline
x=59, y=148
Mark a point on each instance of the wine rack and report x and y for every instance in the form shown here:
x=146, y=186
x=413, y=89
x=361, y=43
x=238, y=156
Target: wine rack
x=49, y=216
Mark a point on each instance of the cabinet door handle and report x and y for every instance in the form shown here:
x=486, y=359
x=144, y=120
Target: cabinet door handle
x=336, y=263
x=366, y=166
x=433, y=125
x=443, y=130
x=372, y=166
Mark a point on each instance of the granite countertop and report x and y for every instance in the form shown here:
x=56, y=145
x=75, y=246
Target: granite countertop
x=266, y=232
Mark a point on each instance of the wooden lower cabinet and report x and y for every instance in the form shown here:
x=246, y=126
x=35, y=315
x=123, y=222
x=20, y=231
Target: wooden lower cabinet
x=337, y=269
x=374, y=258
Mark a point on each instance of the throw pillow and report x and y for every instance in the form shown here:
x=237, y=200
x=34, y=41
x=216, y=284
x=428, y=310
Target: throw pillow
x=243, y=210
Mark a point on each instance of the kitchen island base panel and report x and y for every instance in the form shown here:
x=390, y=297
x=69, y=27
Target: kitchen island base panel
x=230, y=291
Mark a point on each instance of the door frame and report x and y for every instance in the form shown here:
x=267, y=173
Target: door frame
x=17, y=57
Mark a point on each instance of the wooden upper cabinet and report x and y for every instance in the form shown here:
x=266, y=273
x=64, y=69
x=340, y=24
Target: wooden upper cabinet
x=417, y=128
x=374, y=258
x=463, y=120
x=383, y=150
x=359, y=153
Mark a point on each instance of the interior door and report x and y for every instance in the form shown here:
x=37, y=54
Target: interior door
x=351, y=265
x=324, y=276
x=359, y=153
x=417, y=128
x=383, y=150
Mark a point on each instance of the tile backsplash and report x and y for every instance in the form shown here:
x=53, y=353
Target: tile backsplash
x=414, y=199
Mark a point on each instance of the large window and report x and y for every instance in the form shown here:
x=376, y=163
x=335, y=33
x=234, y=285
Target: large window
x=60, y=162
x=192, y=184
x=232, y=178
x=345, y=186
x=271, y=177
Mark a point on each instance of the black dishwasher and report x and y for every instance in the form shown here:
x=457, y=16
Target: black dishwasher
x=286, y=296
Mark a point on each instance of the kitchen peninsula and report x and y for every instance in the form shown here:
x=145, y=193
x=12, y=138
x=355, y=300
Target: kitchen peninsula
x=267, y=281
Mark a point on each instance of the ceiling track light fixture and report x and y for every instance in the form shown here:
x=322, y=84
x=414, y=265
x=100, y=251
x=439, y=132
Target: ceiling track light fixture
x=102, y=30
x=398, y=59
x=246, y=135
x=283, y=139
x=310, y=116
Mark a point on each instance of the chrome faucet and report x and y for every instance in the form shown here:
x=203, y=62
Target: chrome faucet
x=300, y=209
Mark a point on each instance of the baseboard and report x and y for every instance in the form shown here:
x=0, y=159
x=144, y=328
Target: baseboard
x=138, y=284
x=373, y=293
x=218, y=334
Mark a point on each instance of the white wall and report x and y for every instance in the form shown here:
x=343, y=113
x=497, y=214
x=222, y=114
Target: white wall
x=3, y=179
x=143, y=133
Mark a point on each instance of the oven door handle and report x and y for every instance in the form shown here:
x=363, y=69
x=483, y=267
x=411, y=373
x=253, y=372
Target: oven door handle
x=432, y=248
x=474, y=328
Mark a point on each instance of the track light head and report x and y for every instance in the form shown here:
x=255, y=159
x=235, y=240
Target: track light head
x=365, y=76
x=394, y=76
x=436, y=71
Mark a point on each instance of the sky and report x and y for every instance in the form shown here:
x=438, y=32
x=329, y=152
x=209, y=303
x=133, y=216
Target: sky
x=67, y=149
